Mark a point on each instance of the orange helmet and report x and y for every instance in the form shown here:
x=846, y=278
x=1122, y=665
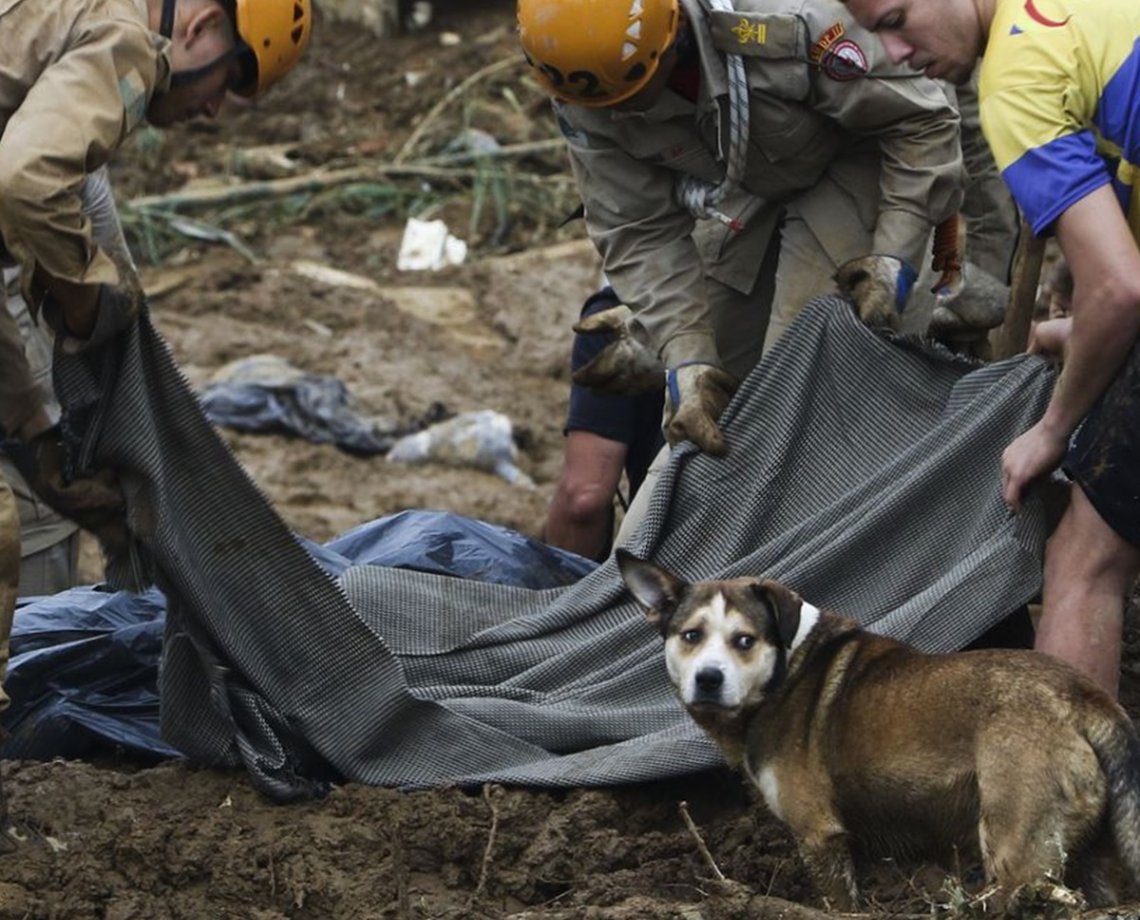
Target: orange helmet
x=276, y=33
x=596, y=52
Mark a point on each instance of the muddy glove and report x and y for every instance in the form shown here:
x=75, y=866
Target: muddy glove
x=963, y=316
x=695, y=396
x=628, y=365
x=94, y=502
x=115, y=310
x=878, y=286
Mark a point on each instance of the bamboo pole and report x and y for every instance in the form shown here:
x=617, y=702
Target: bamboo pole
x=242, y=192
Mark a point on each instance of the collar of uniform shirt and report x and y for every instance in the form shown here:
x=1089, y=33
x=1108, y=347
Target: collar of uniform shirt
x=685, y=80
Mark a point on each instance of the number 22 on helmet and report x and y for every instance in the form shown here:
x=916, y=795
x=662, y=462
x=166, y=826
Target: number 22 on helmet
x=596, y=53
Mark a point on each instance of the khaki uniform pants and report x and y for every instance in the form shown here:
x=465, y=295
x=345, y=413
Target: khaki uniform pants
x=19, y=392
x=49, y=543
x=9, y=576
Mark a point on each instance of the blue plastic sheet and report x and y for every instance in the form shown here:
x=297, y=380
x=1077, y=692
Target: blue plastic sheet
x=83, y=675
x=267, y=395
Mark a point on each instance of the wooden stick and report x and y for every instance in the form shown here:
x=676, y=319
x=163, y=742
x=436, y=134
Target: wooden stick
x=1011, y=336
x=409, y=145
x=550, y=145
x=489, y=850
x=683, y=807
x=400, y=872
x=207, y=196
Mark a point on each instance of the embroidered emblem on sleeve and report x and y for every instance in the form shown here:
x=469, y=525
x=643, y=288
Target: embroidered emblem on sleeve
x=844, y=61
x=750, y=32
x=838, y=57
x=821, y=47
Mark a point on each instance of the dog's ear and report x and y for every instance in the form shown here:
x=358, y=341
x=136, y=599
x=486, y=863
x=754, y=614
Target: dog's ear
x=785, y=603
x=657, y=590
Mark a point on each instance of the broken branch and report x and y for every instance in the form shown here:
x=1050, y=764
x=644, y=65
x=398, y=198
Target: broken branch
x=209, y=196
x=489, y=849
x=410, y=144
x=683, y=807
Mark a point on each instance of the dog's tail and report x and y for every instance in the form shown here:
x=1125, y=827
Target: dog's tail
x=1117, y=747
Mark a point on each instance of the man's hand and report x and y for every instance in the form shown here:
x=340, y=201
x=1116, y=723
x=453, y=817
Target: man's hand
x=695, y=396
x=878, y=286
x=1050, y=338
x=1034, y=454
x=627, y=365
x=93, y=502
x=84, y=321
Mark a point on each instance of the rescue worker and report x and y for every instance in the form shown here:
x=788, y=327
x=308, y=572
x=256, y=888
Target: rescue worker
x=1060, y=110
x=49, y=544
x=680, y=110
x=76, y=78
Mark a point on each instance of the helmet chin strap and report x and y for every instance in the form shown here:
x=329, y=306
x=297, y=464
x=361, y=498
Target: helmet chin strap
x=166, y=23
x=182, y=77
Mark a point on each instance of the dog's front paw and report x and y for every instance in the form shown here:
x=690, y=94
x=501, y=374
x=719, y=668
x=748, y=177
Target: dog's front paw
x=830, y=865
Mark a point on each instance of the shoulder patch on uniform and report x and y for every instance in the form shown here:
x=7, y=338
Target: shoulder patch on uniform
x=838, y=57
x=132, y=92
x=770, y=35
x=833, y=33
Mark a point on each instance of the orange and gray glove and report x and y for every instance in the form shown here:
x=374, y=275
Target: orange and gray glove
x=968, y=313
x=95, y=502
x=696, y=394
x=627, y=365
x=878, y=286
x=968, y=301
x=947, y=254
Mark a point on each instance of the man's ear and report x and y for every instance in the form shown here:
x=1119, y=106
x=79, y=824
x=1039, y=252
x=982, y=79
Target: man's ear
x=656, y=589
x=785, y=605
x=203, y=21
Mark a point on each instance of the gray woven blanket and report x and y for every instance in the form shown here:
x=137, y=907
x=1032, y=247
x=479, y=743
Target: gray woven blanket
x=864, y=471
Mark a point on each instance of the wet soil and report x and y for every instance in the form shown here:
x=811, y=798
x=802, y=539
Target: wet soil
x=127, y=840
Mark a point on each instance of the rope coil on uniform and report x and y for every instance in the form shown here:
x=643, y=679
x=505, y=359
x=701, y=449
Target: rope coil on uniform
x=699, y=197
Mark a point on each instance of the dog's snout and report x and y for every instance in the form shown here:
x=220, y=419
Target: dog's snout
x=709, y=680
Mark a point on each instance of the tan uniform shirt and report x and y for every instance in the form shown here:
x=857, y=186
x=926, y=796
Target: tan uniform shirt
x=824, y=101
x=76, y=77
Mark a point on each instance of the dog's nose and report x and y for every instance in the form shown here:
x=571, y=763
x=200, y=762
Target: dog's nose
x=709, y=680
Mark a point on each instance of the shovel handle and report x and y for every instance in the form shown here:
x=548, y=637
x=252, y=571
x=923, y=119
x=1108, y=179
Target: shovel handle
x=1011, y=336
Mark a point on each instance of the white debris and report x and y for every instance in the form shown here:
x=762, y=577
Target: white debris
x=428, y=245
x=56, y=845
x=482, y=440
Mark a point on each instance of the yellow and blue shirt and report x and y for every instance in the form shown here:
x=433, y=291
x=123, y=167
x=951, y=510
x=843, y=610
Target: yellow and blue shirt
x=1060, y=103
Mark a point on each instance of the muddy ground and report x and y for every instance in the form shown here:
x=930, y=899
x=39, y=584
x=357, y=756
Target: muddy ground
x=125, y=840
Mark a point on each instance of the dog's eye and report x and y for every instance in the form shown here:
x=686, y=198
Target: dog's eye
x=691, y=636
x=744, y=642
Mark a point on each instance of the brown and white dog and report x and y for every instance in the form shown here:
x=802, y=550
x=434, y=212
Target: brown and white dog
x=857, y=740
